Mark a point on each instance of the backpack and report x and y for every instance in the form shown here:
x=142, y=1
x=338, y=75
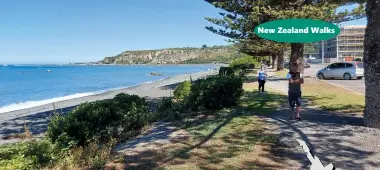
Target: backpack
x=261, y=75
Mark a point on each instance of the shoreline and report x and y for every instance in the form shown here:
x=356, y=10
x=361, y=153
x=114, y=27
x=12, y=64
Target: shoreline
x=36, y=118
x=106, y=94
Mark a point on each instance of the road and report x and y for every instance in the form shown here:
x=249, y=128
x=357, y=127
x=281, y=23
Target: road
x=355, y=85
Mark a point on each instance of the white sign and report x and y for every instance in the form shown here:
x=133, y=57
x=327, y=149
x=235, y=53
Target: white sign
x=316, y=164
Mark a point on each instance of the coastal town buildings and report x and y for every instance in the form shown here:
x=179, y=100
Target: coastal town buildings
x=347, y=46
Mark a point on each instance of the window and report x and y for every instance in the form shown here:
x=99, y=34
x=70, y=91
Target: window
x=340, y=65
x=332, y=66
x=349, y=65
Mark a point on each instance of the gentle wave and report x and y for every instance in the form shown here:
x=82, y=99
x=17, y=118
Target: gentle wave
x=30, y=104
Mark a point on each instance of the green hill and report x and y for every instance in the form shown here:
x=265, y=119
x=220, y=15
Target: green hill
x=215, y=54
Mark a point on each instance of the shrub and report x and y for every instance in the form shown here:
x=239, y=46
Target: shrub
x=165, y=105
x=215, y=92
x=171, y=110
x=226, y=71
x=358, y=59
x=247, y=62
x=94, y=155
x=29, y=155
x=99, y=121
x=182, y=90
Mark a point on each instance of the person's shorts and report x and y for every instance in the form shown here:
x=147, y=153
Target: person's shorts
x=294, y=99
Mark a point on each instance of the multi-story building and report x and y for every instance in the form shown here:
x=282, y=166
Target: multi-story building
x=350, y=42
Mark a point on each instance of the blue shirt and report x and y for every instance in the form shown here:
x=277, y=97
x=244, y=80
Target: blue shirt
x=262, y=75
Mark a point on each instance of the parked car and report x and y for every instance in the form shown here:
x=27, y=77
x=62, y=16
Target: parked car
x=345, y=70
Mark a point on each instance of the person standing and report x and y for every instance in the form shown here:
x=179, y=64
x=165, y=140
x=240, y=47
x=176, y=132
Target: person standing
x=262, y=77
x=295, y=93
x=263, y=65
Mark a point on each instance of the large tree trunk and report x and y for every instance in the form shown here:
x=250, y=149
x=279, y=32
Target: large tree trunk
x=274, y=61
x=296, y=58
x=372, y=65
x=280, y=61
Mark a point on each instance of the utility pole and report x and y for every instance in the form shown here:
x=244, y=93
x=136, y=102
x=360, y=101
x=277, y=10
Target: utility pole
x=337, y=48
x=323, y=52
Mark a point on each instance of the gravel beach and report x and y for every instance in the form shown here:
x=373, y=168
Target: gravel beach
x=37, y=117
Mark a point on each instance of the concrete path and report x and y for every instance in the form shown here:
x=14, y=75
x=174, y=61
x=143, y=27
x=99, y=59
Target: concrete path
x=335, y=138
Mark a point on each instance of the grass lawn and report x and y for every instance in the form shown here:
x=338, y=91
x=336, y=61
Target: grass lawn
x=228, y=139
x=332, y=98
x=282, y=73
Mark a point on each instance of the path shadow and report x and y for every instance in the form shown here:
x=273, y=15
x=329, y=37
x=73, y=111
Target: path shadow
x=206, y=155
x=159, y=133
x=170, y=87
x=334, y=137
x=37, y=123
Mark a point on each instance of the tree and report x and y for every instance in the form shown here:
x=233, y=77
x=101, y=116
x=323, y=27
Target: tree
x=372, y=65
x=204, y=46
x=242, y=16
x=237, y=20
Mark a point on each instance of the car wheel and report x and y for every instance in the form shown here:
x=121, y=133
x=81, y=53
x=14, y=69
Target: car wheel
x=347, y=76
x=321, y=76
x=359, y=78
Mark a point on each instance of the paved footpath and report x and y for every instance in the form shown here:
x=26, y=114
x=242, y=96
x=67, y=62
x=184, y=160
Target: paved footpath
x=335, y=138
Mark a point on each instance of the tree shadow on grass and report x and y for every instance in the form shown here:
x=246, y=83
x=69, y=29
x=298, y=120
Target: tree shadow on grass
x=332, y=136
x=37, y=123
x=334, y=108
x=211, y=147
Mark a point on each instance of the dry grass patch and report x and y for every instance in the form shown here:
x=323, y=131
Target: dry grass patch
x=222, y=142
x=332, y=98
x=227, y=139
x=27, y=134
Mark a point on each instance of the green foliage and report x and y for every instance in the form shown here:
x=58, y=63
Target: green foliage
x=29, y=155
x=240, y=17
x=201, y=60
x=94, y=155
x=358, y=59
x=247, y=62
x=226, y=71
x=311, y=48
x=165, y=105
x=182, y=90
x=171, y=110
x=99, y=121
x=215, y=92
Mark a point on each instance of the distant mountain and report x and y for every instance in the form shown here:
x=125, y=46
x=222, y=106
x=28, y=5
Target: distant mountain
x=215, y=54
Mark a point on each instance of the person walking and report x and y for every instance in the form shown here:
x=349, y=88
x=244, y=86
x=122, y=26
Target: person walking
x=263, y=65
x=262, y=77
x=295, y=93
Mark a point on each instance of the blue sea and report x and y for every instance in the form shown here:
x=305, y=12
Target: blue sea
x=25, y=86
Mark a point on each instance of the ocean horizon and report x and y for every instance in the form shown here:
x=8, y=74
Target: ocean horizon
x=29, y=85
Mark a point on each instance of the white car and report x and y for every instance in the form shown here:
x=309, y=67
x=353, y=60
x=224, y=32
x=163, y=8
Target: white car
x=345, y=70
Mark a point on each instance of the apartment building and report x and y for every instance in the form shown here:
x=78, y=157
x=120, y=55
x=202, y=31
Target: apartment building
x=349, y=42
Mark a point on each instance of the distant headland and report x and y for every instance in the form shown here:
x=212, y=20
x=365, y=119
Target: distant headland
x=186, y=55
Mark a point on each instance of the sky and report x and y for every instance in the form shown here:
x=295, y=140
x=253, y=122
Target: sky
x=52, y=32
